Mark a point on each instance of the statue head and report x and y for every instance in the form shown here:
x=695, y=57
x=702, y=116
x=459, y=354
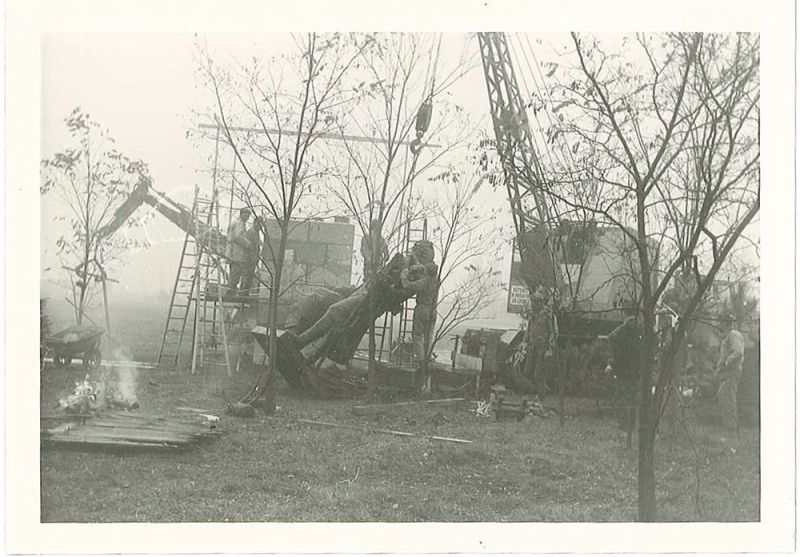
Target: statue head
x=423, y=252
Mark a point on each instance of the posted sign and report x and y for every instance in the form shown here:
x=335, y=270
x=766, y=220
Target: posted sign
x=538, y=269
x=518, y=297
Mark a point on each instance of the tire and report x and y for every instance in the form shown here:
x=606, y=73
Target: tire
x=92, y=359
x=62, y=361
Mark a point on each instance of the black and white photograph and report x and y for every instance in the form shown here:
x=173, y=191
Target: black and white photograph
x=459, y=277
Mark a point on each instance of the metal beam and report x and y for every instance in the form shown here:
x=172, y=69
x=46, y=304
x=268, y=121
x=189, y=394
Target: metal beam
x=338, y=137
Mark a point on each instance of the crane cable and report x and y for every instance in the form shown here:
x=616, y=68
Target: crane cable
x=422, y=124
x=425, y=111
x=564, y=144
x=570, y=169
x=546, y=149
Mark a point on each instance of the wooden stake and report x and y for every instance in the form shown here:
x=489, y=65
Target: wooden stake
x=386, y=431
x=105, y=297
x=224, y=334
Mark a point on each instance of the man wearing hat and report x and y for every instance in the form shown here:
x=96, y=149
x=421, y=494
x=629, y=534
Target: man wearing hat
x=253, y=236
x=729, y=371
x=237, y=248
x=373, y=250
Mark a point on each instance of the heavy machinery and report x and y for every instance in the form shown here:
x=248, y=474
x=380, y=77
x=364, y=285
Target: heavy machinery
x=211, y=238
x=597, y=301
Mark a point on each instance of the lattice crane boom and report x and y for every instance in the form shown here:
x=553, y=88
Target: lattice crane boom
x=523, y=176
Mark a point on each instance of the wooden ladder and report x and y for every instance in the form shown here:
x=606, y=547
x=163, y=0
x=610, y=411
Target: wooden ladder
x=169, y=353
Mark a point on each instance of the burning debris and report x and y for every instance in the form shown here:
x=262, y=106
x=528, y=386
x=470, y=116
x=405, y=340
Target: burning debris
x=83, y=400
x=98, y=415
x=91, y=397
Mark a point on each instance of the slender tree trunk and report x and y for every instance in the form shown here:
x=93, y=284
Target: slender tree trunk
x=647, y=474
x=562, y=387
x=646, y=478
x=372, y=368
x=81, y=300
x=272, y=322
x=87, y=248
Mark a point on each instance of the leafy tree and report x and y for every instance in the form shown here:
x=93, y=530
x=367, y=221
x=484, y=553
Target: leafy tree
x=90, y=178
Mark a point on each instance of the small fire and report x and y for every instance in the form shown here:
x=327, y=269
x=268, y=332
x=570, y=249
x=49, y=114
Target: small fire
x=84, y=400
x=91, y=397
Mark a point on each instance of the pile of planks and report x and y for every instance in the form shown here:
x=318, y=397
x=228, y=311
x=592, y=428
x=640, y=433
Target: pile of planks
x=127, y=431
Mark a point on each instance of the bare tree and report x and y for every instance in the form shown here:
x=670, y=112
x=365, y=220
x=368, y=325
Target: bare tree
x=463, y=233
x=382, y=151
x=89, y=178
x=642, y=115
x=293, y=100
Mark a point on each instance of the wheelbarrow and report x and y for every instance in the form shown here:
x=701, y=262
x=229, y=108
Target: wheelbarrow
x=78, y=340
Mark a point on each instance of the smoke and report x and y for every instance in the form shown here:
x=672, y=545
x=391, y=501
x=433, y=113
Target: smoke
x=126, y=375
x=111, y=387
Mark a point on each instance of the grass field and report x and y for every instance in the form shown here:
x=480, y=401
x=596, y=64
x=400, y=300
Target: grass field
x=274, y=468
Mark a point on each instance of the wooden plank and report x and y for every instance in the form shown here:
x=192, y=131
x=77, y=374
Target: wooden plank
x=135, y=433
x=194, y=410
x=151, y=420
x=385, y=431
x=84, y=440
x=127, y=434
x=173, y=426
x=370, y=409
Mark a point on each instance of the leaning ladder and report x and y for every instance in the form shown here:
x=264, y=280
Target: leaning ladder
x=169, y=352
x=407, y=314
x=206, y=342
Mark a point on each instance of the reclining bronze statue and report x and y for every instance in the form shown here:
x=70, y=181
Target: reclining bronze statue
x=313, y=355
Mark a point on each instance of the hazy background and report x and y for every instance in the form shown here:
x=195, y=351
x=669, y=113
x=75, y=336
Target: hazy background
x=143, y=89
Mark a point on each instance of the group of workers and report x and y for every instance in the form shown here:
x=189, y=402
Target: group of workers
x=243, y=251
x=726, y=374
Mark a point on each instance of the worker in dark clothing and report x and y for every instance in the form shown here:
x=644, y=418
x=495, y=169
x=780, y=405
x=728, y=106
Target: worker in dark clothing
x=252, y=253
x=373, y=249
x=236, y=248
x=422, y=279
x=625, y=341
